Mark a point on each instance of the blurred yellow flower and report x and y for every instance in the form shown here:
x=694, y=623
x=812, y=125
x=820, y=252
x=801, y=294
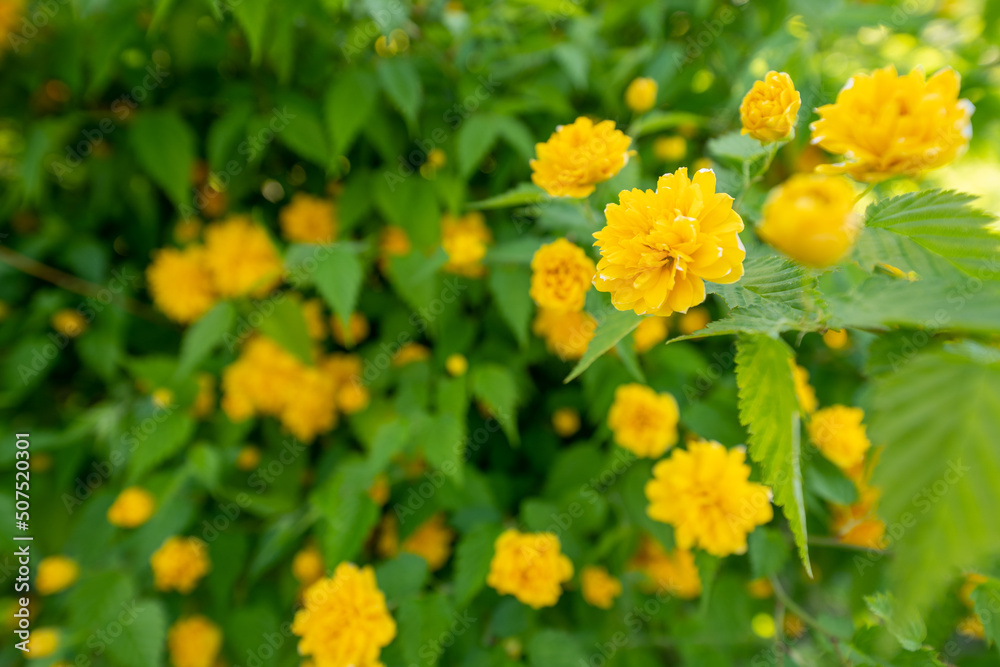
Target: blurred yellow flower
x=793, y=625
x=356, y=332
x=706, y=495
x=579, y=156
x=694, y=320
x=56, y=574
x=566, y=422
x=674, y=572
x=344, y=621
x=561, y=274
x=811, y=219
x=248, y=458
x=10, y=15
x=659, y=247
x=651, y=332
x=380, y=489
x=162, y=398
x=43, y=643
x=760, y=588
x=465, y=241
x=670, y=149
x=456, y=365
x=70, y=322
x=194, y=641
x=640, y=96
x=308, y=219
x=179, y=564
x=409, y=353
x=187, y=230
x=770, y=109
x=131, y=508
x=838, y=433
x=394, y=242
x=803, y=390
x=307, y=565
x=599, y=588
x=885, y=124
x=857, y=524
x=566, y=335
x=204, y=400
x=241, y=257
x=643, y=421
x=181, y=284
x=312, y=311
x=836, y=339
x=431, y=541
x=529, y=566
x=345, y=370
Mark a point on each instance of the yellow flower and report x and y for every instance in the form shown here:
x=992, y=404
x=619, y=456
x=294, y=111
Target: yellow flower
x=56, y=574
x=181, y=284
x=972, y=580
x=69, y=322
x=674, y=572
x=307, y=566
x=885, y=124
x=437, y=158
x=180, y=564
x=131, y=508
x=566, y=422
x=836, y=339
x=345, y=621
x=357, y=330
x=431, y=541
x=838, y=433
x=566, y=335
x=162, y=398
x=312, y=311
x=599, y=588
x=248, y=458
x=204, y=401
x=651, y=332
x=670, y=149
x=344, y=370
x=857, y=524
x=387, y=544
x=241, y=257
x=42, y=643
x=529, y=566
x=456, y=365
x=770, y=109
x=659, y=247
x=394, y=242
x=410, y=353
x=803, y=390
x=308, y=219
x=465, y=241
x=694, y=320
x=194, y=642
x=760, y=588
x=706, y=495
x=640, y=96
x=561, y=274
x=971, y=626
x=643, y=421
x=811, y=219
x=380, y=489
x=793, y=625
x=579, y=156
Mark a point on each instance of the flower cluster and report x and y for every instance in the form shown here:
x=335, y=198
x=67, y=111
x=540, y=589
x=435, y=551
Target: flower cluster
x=579, y=156
x=309, y=219
x=838, y=432
x=465, y=241
x=179, y=564
x=598, y=587
x=529, y=566
x=194, y=642
x=131, y=508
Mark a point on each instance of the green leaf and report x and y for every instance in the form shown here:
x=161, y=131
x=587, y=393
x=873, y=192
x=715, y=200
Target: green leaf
x=740, y=151
x=476, y=137
x=829, y=482
x=519, y=195
x=298, y=125
x=98, y=598
x=390, y=440
x=143, y=639
x=401, y=82
x=279, y=539
x=510, y=286
x=401, y=577
x=423, y=622
x=555, y=648
x=348, y=513
x=165, y=148
x=937, y=417
x=252, y=17
x=204, y=336
x=496, y=387
x=346, y=107
x=286, y=326
x=167, y=436
x=986, y=597
x=943, y=223
x=472, y=562
x=768, y=552
x=903, y=622
x=444, y=445
x=338, y=279
x=657, y=121
x=612, y=326
x=770, y=411
x=519, y=251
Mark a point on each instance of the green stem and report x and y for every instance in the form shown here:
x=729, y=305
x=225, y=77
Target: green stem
x=785, y=599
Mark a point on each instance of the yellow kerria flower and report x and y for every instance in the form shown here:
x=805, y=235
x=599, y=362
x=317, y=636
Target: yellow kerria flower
x=357, y=327
x=410, y=353
x=465, y=241
x=566, y=334
x=857, y=524
x=312, y=311
x=561, y=274
x=651, y=332
x=674, y=572
x=660, y=246
x=431, y=541
x=694, y=320
x=307, y=565
x=194, y=642
x=180, y=564
x=181, y=284
x=643, y=421
x=394, y=242
x=42, y=643
x=529, y=566
x=345, y=370
x=640, y=96
x=803, y=390
x=599, y=588
x=579, y=156
x=770, y=109
x=810, y=218
x=241, y=257
x=885, y=124
x=836, y=339
x=838, y=433
x=706, y=495
x=309, y=219
x=344, y=621
x=56, y=574
x=670, y=149
x=248, y=458
x=566, y=422
x=70, y=322
x=131, y=508
x=456, y=365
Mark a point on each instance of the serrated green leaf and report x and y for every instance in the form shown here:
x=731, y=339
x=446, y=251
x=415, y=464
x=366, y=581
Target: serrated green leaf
x=423, y=622
x=204, y=336
x=496, y=387
x=338, y=279
x=164, y=145
x=612, y=326
x=472, y=562
x=770, y=411
x=903, y=622
x=510, y=286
